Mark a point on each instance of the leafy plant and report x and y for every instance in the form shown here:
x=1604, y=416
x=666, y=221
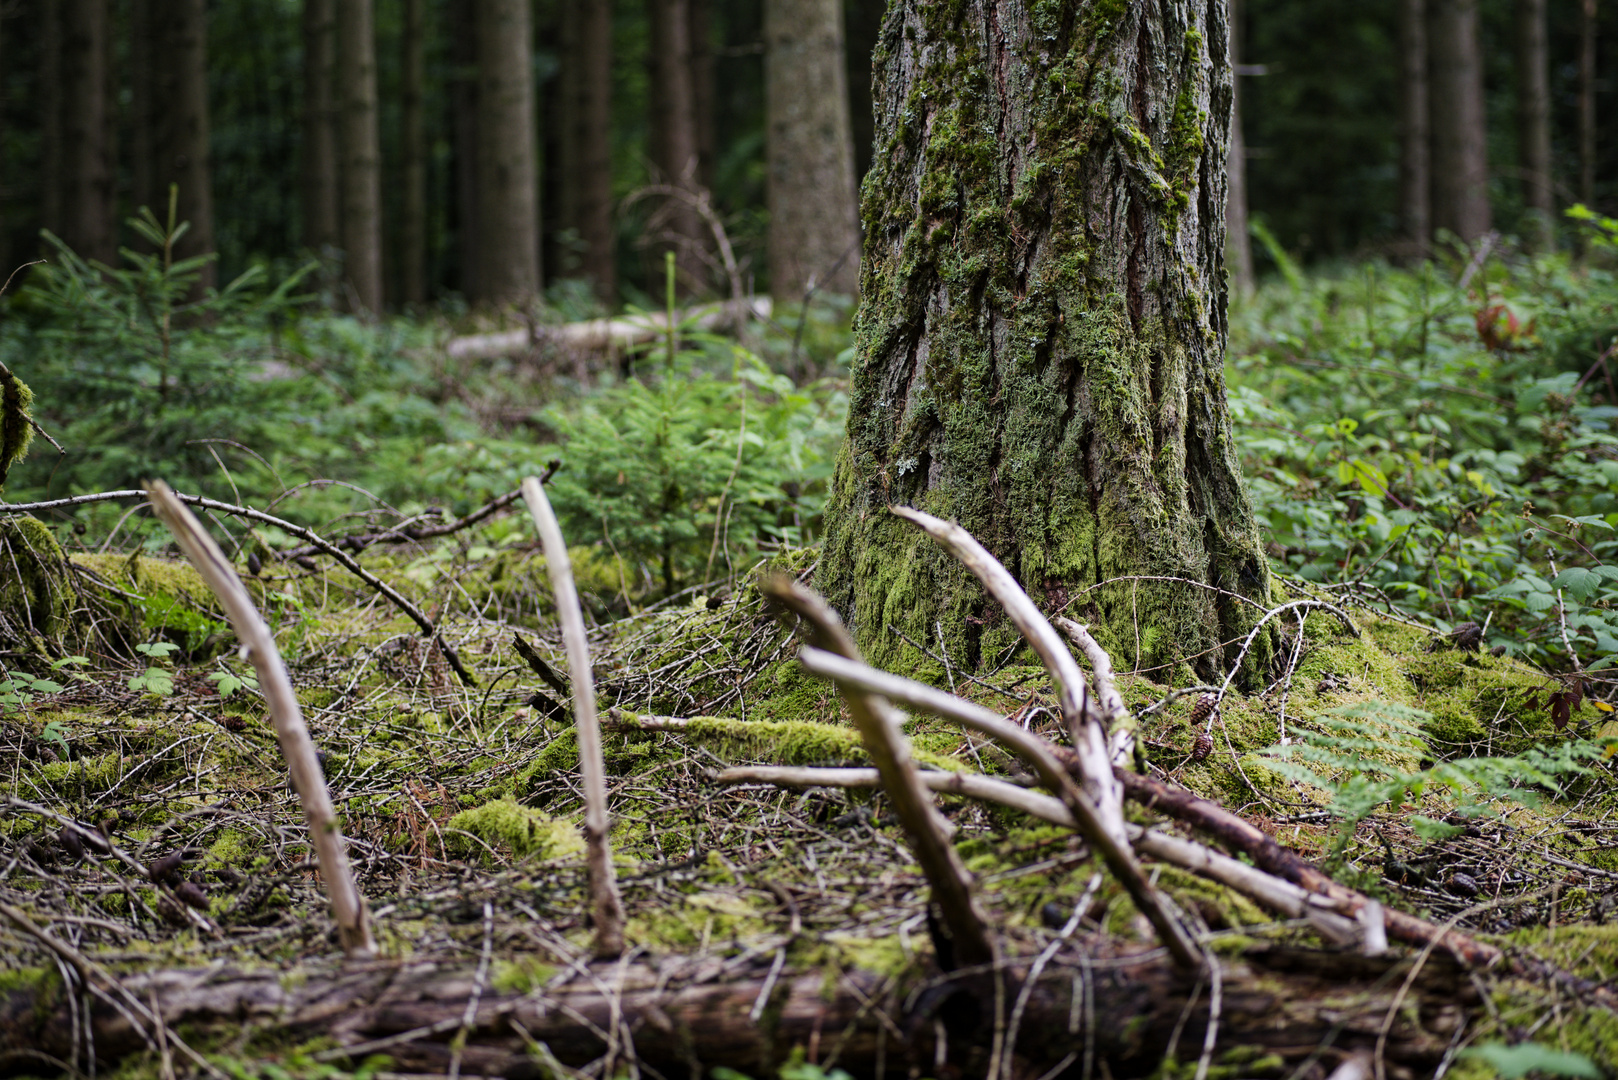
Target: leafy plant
x=1359, y=756
x=227, y=682
x=19, y=688
x=1514, y=1062
x=156, y=679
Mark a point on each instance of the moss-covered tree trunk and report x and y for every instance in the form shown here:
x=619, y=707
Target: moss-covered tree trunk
x=1042, y=332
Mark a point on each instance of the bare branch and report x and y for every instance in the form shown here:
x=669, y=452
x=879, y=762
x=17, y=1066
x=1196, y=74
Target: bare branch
x=325, y=833
x=1104, y=827
x=608, y=908
x=878, y=725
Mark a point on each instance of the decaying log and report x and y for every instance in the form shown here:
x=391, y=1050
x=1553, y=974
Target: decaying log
x=597, y=334
x=681, y=1015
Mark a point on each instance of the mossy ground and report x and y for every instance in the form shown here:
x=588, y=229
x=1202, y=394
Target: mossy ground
x=457, y=796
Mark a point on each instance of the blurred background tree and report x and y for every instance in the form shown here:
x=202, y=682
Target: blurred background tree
x=476, y=150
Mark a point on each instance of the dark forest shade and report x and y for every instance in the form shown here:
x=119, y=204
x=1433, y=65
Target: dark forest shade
x=672, y=139
x=1041, y=337
x=180, y=136
x=85, y=212
x=1415, y=150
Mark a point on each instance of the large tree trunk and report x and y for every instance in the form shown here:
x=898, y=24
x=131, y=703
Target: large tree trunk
x=1238, y=244
x=673, y=139
x=507, y=180
x=359, y=155
x=412, y=253
x=1041, y=340
x=684, y=1016
x=1460, y=161
x=1534, y=127
x=317, y=162
x=809, y=151
x=1415, y=125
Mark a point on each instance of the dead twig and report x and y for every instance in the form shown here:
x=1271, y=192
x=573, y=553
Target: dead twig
x=258, y=643
x=608, y=908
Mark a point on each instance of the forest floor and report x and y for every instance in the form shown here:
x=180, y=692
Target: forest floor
x=767, y=926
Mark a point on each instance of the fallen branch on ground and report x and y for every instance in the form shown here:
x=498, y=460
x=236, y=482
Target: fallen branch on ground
x=598, y=334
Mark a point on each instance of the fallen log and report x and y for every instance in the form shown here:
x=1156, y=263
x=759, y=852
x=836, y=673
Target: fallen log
x=599, y=334
x=1123, y=1007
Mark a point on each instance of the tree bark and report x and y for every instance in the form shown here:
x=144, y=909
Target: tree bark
x=507, y=180
x=1460, y=162
x=359, y=155
x=412, y=253
x=1040, y=344
x=1238, y=244
x=87, y=215
x=464, y=107
x=1534, y=127
x=809, y=150
x=317, y=162
x=673, y=139
x=685, y=1016
x=592, y=121
x=1415, y=172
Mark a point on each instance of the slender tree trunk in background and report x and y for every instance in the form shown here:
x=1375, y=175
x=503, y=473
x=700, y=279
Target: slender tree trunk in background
x=317, y=163
x=673, y=137
x=1238, y=244
x=412, y=254
x=1041, y=335
x=179, y=120
x=699, y=34
x=359, y=155
x=809, y=152
x=589, y=143
x=464, y=106
x=52, y=134
x=1460, y=161
x=1415, y=172
x=559, y=185
x=142, y=55
x=1534, y=127
x=1587, y=103
x=88, y=211
x=508, y=183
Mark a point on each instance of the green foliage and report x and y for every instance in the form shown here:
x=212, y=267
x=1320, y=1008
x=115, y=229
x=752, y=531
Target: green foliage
x=683, y=474
x=1443, y=436
x=1358, y=755
x=19, y=689
x=156, y=679
x=137, y=373
x=1514, y=1062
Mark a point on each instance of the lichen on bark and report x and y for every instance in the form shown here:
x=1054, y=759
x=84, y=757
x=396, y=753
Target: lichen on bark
x=1040, y=344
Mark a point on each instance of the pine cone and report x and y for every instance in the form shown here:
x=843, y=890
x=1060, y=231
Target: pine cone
x=1202, y=747
x=1205, y=707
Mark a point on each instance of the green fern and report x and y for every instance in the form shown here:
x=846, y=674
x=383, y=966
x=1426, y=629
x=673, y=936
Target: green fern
x=1359, y=756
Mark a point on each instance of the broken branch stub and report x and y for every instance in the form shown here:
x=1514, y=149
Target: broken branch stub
x=607, y=907
x=878, y=725
x=258, y=645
